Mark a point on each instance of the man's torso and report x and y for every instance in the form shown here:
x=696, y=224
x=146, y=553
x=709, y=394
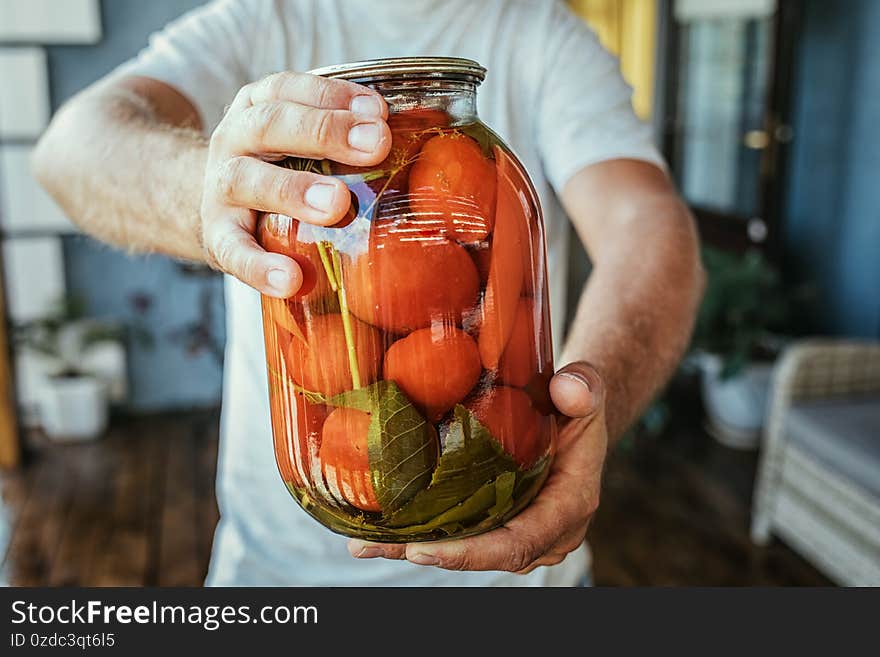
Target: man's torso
x=264, y=538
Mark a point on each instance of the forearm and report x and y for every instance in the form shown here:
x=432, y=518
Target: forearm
x=125, y=173
x=636, y=313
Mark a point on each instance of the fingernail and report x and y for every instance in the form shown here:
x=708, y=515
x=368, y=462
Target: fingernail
x=369, y=553
x=364, y=137
x=573, y=376
x=320, y=196
x=578, y=403
x=278, y=279
x=366, y=106
x=423, y=559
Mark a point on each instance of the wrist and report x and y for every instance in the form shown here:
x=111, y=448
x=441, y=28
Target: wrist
x=191, y=162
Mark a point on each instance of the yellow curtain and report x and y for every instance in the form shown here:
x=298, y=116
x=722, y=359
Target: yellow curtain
x=628, y=29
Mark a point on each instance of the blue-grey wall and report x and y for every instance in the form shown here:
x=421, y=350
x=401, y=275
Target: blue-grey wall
x=180, y=368
x=833, y=209
x=833, y=217
x=126, y=26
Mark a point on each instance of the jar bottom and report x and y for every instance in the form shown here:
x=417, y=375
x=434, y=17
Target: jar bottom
x=341, y=522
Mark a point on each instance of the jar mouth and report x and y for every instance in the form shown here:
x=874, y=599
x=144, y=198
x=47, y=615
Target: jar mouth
x=406, y=68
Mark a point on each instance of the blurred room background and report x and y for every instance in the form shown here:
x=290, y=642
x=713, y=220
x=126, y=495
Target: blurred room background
x=760, y=465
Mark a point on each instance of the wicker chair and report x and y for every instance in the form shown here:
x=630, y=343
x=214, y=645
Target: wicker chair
x=818, y=481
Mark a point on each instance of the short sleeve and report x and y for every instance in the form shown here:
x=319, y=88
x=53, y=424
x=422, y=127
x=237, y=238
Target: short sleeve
x=585, y=107
x=204, y=54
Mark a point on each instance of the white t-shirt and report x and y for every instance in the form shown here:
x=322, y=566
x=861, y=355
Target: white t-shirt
x=551, y=92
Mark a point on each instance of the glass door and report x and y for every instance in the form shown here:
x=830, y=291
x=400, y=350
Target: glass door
x=725, y=125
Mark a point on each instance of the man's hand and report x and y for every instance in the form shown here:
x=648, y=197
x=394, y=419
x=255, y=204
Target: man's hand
x=556, y=522
x=284, y=114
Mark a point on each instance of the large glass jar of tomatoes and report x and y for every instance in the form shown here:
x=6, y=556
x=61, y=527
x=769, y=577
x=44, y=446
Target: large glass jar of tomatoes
x=408, y=378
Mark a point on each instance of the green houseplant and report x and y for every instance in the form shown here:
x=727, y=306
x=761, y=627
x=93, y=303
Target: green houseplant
x=73, y=397
x=741, y=327
x=745, y=310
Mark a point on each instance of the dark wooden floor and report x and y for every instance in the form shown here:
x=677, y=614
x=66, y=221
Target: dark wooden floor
x=137, y=508
x=675, y=511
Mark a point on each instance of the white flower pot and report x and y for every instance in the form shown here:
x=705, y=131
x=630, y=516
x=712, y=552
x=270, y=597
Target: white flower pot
x=736, y=407
x=104, y=359
x=73, y=408
x=32, y=368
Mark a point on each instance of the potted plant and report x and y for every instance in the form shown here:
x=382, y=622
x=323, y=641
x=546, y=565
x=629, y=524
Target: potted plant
x=73, y=398
x=739, y=332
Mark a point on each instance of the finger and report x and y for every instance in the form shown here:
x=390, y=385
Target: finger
x=557, y=554
x=233, y=249
x=523, y=540
x=370, y=550
x=577, y=390
x=247, y=182
x=555, y=521
x=284, y=128
x=500, y=549
x=551, y=559
x=315, y=91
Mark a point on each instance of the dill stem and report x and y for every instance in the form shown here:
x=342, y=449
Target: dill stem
x=346, y=320
x=328, y=268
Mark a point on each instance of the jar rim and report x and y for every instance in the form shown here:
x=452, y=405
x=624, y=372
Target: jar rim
x=405, y=68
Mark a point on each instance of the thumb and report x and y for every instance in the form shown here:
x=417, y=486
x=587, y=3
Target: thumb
x=577, y=390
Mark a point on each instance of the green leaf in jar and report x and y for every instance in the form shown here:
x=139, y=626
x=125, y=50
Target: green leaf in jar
x=504, y=487
x=532, y=478
x=482, y=135
x=363, y=399
x=402, y=446
x=490, y=499
x=471, y=459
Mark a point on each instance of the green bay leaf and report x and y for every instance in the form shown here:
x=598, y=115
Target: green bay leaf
x=363, y=399
x=504, y=486
x=482, y=135
x=471, y=459
x=491, y=499
x=532, y=478
x=402, y=446
x=471, y=507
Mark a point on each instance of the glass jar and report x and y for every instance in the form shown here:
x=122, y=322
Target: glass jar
x=408, y=378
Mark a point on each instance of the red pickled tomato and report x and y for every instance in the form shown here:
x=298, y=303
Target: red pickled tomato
x=454, y=184
x=296, y=457
x=401, y=285
x=505, y=275
x=320, y=362
x=481, y=257
x=284, y=315
x=289, y=410
x=519, y=362
x=277, y=233
x=510, y=169
x=434, y=367
x=419, y=119
x=277, y=401
x=508, y=415
x=410, y=129
x=345, y=458
x=285, y=329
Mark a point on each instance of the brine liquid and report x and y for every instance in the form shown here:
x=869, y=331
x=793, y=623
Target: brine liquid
x=408, y=378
